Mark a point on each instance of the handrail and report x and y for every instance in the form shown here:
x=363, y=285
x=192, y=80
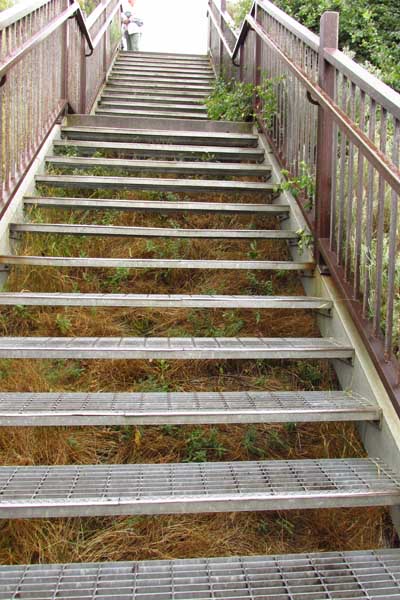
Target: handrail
x=349, y=144
x=42, y=35
x=104, y=28
x=53, y=65
x=15, y=13
x=377, y=89
x=221, y=34
x=390, y=173
x=304, y=34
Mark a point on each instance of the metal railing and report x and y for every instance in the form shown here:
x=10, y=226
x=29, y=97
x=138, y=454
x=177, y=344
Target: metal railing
x=338, y=126
x=52, y=59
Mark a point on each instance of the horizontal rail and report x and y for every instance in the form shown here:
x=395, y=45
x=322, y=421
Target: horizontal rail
x=390, y=173
x=48, y=46
x=338, y=126
x=376, y=89
x=43, y=34
x=15, y=13
x=221, y=34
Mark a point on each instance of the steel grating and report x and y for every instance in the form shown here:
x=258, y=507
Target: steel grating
x=154, y=263
x=163, y=206
x=146, y=232
x=164, y=300
x=365, y=575
x=152, y=183
x=96, y=490
x=182, y=408
x=173, y=348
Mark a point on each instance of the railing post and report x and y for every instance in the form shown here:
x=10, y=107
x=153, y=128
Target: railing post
x=221, y=45
x=257, y=61
x=64, y=62
x=83, y=77
x=105, y=42
x=329, y=33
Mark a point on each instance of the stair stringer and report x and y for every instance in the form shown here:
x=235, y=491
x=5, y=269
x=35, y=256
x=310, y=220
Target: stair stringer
x=14, y=213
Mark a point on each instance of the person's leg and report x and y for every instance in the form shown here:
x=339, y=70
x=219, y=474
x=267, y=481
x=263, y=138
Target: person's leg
x=129, y=42
x=136, y=40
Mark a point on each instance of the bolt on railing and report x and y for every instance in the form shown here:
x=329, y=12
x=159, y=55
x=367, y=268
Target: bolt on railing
x=338, y=125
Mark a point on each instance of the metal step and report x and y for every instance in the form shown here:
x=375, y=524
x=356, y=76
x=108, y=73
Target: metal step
x=155, y=263
x=362, y=575
x=141, y=55
x=163, y=301
x=184, y=348
x=155, y=93
x=165, y=69
x=157, y=183
x=147, y=84
x=161, y=63
x=193, y=138
x=136, y=112
x=149, y=489
x=170, y=75
x=148, y=232
x=162, y=206
x=162, y=166
x=152, y=99
x=86, y=147
x=184, y=408
x=155, y=105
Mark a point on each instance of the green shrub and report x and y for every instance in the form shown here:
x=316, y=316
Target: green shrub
x=230, y=101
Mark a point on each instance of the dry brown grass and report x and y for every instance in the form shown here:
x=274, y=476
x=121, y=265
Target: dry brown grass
x=187, y=535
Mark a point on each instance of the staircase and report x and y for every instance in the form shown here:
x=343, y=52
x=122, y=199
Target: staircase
x=153, y=135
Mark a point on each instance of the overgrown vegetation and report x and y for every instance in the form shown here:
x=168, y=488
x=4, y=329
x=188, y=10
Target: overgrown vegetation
x=369, y=29
x=234, y=100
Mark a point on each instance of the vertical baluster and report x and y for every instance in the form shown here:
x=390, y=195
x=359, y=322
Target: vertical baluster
x=342, y=183
x=350, y=191
x=370, y=209
x=380, y=231
x=391, y=276
x=359, y=209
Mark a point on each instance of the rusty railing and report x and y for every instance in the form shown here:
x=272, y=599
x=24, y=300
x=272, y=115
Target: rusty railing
x=338, y=127
x=52, y=60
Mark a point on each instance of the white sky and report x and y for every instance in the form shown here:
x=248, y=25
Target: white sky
x=174, y=25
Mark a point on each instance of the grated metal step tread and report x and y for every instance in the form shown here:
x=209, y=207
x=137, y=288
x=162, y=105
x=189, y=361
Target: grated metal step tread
x=164, y=300
x=182, y=408
x=152, y=113
x=366, y=574
x=150, y=183
x=146, y=232
x=193, y=95
x=154, y=263
x=168, y=80
x=159, y=85
x=163, y=206
x=183, y=348
x=151, y=98
x=159, y=105
x=154, y=69
x=171, y=150
x=169, y=136
x=148, y=55
x=162, y=166
x=96, y=490
x=172, y=75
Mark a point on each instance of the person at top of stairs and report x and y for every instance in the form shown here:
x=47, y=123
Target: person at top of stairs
x=131, y=26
